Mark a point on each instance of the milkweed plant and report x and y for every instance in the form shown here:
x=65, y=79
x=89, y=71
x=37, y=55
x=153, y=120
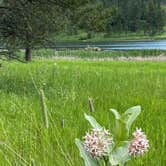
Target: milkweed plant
x=102, y=147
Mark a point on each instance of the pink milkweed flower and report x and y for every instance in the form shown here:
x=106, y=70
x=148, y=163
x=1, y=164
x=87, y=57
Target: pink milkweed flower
x=139, y=145
x=98, y=142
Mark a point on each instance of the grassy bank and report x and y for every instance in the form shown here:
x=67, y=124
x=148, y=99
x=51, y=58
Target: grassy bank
x=67, y=86
x=104, y=37
x=48, y=53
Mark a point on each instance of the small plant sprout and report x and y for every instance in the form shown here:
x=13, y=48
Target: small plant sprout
x=100, y=147
x=32, y=162
x=90, y=103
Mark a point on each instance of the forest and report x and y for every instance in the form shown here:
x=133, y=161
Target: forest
x=120, y=15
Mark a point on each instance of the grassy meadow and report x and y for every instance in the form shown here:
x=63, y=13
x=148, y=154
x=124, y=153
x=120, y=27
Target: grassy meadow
x=83, y=54
x=67, y=86
x=101, y=36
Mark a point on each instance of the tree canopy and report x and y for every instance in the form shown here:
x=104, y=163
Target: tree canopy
x=28, y=23
x=120, y=15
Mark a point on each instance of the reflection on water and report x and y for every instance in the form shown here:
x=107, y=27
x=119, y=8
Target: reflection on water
x=108, y=46
x=127, y=45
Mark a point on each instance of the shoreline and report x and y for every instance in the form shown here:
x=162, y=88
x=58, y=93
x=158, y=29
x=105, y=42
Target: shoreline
x=160, y=58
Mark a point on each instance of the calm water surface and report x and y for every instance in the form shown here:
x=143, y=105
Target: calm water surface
x=126, y=45
x=109, y=46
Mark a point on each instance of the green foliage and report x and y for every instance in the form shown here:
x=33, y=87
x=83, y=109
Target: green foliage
x=88, y=160
x=128, y=16
x=120, y=131
x=44, y=109
x=67, y=87
x=124, y=122
x=92, y=121
x=130, y=116
x=28, y=24
x=109, y=54
x=118, y=155
x=155, y=17
x=92, y=20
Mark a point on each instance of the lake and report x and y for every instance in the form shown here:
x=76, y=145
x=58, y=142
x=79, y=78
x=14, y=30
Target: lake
x=108, y=46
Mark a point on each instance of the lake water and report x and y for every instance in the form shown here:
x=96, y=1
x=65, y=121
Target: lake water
x=126, y=45
x=108, y=46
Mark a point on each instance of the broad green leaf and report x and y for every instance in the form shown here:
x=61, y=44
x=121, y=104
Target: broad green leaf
x=120, y=155
x=130, y=115
x=92, y=121
x=88, y=160
x=116, y=113
x=120, y=132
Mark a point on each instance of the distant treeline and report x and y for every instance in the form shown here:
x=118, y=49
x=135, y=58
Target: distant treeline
x=163, y=1
x=121, y=16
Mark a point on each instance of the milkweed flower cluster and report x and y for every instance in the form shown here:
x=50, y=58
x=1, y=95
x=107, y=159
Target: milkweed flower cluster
x=97, y=142
x=139, y=145
x=99, y=147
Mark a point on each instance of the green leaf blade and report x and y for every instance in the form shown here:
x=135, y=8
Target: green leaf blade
x=88, y=160
x=120, y=127
x=120, y=155
x=116, y=113
x=130, y=116
x=92, y=121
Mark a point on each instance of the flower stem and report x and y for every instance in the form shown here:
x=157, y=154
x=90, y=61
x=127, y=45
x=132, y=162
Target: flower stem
x=106, y=162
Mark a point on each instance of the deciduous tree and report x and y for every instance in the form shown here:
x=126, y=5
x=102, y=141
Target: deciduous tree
x=28, y=23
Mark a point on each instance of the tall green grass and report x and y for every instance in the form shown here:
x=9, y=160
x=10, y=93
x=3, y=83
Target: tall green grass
x=67, y=86
x=110, y=54
x=49, y=53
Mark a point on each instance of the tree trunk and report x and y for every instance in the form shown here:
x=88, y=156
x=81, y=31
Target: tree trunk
x=28, y=56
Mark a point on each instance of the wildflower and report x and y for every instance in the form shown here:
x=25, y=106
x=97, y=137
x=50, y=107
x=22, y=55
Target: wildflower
x=139, y=145
x=98, y=142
